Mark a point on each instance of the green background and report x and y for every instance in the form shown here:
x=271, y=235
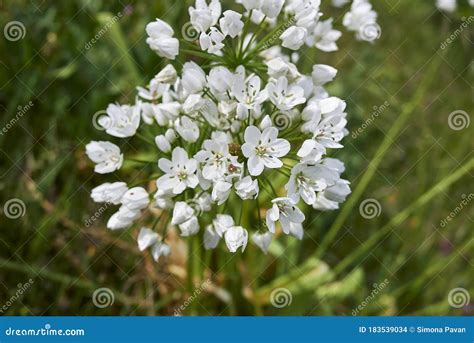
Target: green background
x=408, y=159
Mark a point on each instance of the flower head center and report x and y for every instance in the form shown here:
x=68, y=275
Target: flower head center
x=182, y=175
x=261, y=150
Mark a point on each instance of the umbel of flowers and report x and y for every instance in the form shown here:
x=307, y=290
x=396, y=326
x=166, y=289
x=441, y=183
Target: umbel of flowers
x=230, y=123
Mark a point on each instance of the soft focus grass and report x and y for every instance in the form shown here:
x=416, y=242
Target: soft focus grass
x=420, y=171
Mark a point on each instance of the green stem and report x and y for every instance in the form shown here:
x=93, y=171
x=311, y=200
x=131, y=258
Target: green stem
x=244, y=33
x=190, y=274
x=255, y=34
x=263, y=42
x=202, y=55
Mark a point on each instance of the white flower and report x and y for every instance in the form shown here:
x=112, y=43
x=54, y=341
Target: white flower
x=162, y=143
x=359, y=17
x=203, y=202
x=148, y=112
x=294, y=37
x=278, y=67
x=247, y=188
x=263, y=149
x=161, y=39
x=296, y=230
x=306, y=12
x=251, y=4
x=203, y=16
x=334, y=194
x=236, y=237
x=311, y=151
x=215, y=231
x=323, y=74
x=307, y=180
x=154, y=91
x=283, y=96
x=212, y=41
x=285, y=211
x=361, y=13
x=221, y=191
x=194, y=78
x=338, y=192
x=190, y=227
x=263, y=240
x=220, y=81
x=446, y=5
x=123, y=218
x=324, y=204
x=109, y=192
x=222, y=223
x=334, y=164
x=211, y=238
x=165, y=113
x=146, y=238
x=164, y=199
x=231, y=23
x=272, y=8
x=179, y=172
x=136, y=199
x=215, y=158
x=193, y=104
x=167, y=75
x=266, y=122
x=326, y=122
x=159, y=28
x=184, y=216
x=339, y=3
x=182, y=212
x=187, y=129
x=160, y=249
x=106, y=155
x=121, y=121
x=324, y=37
x=248, y=94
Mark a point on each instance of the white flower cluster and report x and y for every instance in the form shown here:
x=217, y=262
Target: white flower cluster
x=450, y=5
x=362, y=19
x=227, y=128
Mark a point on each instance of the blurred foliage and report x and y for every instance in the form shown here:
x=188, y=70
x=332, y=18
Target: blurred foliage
x=68, y=79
